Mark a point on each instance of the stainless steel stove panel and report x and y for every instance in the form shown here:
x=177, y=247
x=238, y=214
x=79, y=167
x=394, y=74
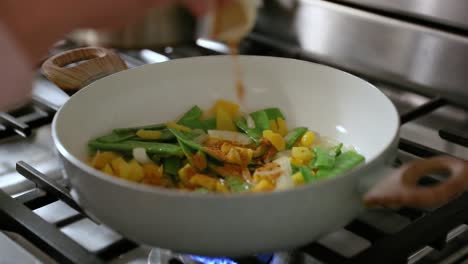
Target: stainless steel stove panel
x=446, y=12
x=417, y=57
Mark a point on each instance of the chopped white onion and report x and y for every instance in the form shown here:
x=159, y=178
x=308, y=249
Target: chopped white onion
x=140, y=155
x=250, y=121
x=269, y=173
x=285, y=181
x=327, y=142
x=230, y=136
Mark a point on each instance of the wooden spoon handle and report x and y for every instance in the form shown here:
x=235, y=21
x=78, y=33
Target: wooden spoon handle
x=92, y=63
x=402, y=189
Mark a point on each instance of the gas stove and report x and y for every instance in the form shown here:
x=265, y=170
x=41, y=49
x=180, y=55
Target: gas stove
x=42, y=224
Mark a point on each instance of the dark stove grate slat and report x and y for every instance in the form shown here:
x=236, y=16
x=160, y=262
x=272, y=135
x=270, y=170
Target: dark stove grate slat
x=46, y=184
x=419, y=149
x=116, y=249
x=454, y=136
x=422, y=110
x=18, y=126
x=23, y=124
x=40, y=201
x=18, y=218
x=364, y=230
x=53, y=191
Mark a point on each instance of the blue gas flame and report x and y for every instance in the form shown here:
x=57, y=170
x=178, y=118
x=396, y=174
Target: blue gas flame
x=207, y=260
x=265, y=258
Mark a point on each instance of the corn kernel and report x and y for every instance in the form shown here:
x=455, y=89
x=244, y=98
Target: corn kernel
x=298, y=178
x=302, y=153
x=149, y=134
x=308, y=139
x=282, y=126
x=263, y=185
x=297, y=162
x=101, y=159
x=178, y=127
x=224, y=121
x=204, y=181
x=108, y=170
x=276, y=140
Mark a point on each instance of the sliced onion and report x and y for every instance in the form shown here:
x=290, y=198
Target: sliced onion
x=140, y=155
x=285, y=181
x=230, y=136
x=269, y=173
x=250, y=121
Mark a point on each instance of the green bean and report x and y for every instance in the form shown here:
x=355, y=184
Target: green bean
x=294, y=135
x=254, y=133
x=135, y=129
x=152, y=148
x=172, y=165
x=344, y=162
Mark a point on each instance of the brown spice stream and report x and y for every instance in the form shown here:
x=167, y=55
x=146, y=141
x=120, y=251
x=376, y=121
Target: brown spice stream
x=239, y=83
x=224, y=20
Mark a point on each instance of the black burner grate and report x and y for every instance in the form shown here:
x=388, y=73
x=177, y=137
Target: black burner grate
x=21, y=122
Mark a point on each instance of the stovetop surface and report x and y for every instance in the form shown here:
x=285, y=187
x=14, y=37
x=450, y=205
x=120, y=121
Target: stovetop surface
x=38, y=151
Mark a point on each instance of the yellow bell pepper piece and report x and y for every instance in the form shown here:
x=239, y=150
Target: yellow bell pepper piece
x=101, y=159
x=263, y=185
x=282, y=126
x=117, y=165
x=308, y=139
x=301, y=153
x=149, y=134
x=298, y=178
x=224, y=121
x=276, y=139
x=274, y=126
x=204, y=181
x=133, y=171
x=230, y=108
x=186, y=172
x=178, y=127
x=108, y=170
x=152, y=171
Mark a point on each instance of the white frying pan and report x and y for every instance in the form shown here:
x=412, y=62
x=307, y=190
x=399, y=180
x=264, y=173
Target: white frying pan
x=324, y=99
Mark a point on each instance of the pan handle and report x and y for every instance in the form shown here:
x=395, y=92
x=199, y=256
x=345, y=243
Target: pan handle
x=92, y=63
x=401, y=188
